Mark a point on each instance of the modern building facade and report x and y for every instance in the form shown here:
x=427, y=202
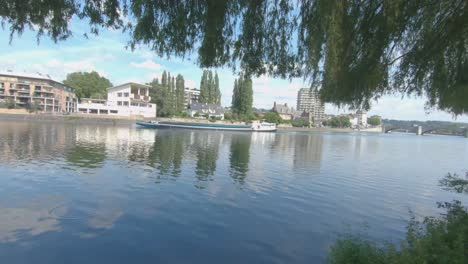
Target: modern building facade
x=308, y=101
x=26, y=89
x=128, y=99
x=192, y=95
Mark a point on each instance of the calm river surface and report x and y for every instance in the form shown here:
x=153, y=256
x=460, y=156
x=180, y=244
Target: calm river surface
x=105, y=194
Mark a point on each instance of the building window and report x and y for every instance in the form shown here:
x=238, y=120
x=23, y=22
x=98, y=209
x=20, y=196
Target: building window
x=150, y=106
x=119, y=94
x=126, y=94
x=113, y=111
x=125, y=103
x=119, y=103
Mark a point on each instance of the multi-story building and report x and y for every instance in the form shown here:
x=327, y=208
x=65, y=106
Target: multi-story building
x=26, y=89
x=128, y=99
x=308, y=101
x=191, y=95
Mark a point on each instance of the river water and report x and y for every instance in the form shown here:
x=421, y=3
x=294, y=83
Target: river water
x=108, y=194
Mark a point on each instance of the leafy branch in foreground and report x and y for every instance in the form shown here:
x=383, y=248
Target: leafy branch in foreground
x=434, y=240
x=355, y=50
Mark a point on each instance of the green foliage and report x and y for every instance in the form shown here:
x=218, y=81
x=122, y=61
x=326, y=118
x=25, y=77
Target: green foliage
x=228, y=116
x=356, y=50
x=374, y=121
x=180, y=93
x=273, y=117
x=34, y=106
x=206, y=115
x=435, y=240
x=182, y=114
x=88, y=84
x=242, y=95
x=209, y=88
x=196, y=114
x=9, y=103
x=300, y=122
x=169, y=95
x=338, y=121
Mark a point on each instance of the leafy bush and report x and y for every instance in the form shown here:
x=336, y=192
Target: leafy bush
x=441, y=239
x=228, y=115
x=273, y=117
x=9, y=103
x=196, y=114
x=182, y=114
x=338, y=121
x=300, y=122
x=374, y=121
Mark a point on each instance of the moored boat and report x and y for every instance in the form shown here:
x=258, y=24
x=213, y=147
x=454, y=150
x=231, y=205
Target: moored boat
x=254, y=127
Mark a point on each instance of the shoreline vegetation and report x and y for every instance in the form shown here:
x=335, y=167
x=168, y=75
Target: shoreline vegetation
x=18, y=115
x=441, y=239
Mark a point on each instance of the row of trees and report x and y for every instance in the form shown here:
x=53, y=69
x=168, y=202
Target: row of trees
x=209, y=88
x=168, y=95
x=242, y=96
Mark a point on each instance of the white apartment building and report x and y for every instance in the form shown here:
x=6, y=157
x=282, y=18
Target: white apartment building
x=191, y=95
x=308, y=101
x=128, y=99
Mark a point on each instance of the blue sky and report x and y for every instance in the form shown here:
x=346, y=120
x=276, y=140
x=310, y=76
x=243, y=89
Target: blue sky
x=107, y=55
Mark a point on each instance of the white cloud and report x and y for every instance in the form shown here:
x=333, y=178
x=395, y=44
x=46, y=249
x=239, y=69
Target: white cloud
x=147, y=64
x=190, y=83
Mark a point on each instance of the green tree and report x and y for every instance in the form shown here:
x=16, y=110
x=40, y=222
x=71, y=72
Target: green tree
x=180, y=94
x=338, y=121
x=209, y=88
x=242, y=98
x=217, y=100
x=300, y=122
x=9, y=103
x=88, y=84
x=374, y=120
x=273, y=117
x=204, y=88
x=356, y=50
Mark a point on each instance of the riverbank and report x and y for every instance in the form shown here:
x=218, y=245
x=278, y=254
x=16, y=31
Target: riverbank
x=17, y=115
x=58, y=118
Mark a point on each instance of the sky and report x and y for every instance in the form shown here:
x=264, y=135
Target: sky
x=107, y=54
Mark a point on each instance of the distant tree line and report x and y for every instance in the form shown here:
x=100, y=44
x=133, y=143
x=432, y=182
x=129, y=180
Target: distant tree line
x=168, y=95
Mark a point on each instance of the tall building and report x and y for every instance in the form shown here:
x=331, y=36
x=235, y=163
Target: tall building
x=26, y=89
x=308, y=101
x=191, y=95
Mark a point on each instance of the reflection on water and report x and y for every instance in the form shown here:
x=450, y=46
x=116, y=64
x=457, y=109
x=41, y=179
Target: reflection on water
x=122, y=194
x=239, y=157
x=31, y=219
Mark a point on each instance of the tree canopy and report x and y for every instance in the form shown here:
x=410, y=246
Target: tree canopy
x=169, y=95
x=354, y=51
x=209, y=88
x=88, y=84
x=242, y=96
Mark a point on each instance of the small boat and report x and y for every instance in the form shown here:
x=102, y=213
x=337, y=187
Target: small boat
x=254, y=127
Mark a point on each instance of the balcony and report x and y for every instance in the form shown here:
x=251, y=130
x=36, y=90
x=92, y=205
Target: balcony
x=141, y=97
